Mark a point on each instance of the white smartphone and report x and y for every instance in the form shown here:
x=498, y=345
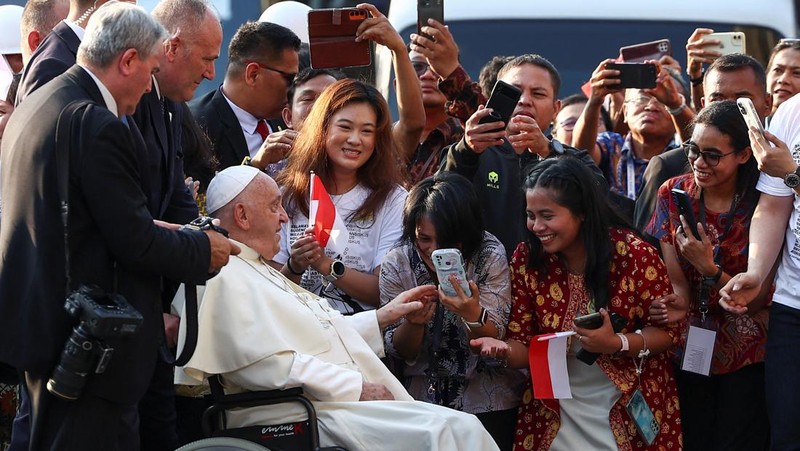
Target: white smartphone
x=748, y=111
x=446, y=262
x=730, y=42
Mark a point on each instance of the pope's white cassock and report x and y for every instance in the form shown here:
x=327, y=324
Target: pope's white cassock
x=261, y=332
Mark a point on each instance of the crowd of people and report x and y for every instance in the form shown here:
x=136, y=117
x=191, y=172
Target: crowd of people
x=657, y=211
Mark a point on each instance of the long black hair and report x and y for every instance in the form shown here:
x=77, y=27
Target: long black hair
x=573, y=186
x=725, y=117
x=450, y=203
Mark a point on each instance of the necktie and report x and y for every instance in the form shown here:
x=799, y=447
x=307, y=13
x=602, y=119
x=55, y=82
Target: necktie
x=262, y=129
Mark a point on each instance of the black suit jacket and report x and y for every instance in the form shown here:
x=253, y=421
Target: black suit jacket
x=53, y=57
x=168, y=197
x=113, y=240
x=661, y=168
x=214, y=115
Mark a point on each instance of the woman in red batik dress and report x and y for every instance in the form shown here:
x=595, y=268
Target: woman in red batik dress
x=580, y=258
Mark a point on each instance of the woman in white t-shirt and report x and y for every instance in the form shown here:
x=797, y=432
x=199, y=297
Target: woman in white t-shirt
x=346, y=142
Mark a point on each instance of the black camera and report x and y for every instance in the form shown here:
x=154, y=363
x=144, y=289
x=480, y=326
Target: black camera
x=102, y=316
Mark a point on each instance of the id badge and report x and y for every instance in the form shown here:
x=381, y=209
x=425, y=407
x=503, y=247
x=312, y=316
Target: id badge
x=699, y=350
x=643, y=417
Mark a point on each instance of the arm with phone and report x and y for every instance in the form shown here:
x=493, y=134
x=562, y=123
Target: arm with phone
x=463, y=94
x=699, y=51
x=584, y=135
x=408, y=129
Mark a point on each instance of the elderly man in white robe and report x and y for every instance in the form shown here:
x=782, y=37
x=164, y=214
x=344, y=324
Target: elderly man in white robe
x=260, y=331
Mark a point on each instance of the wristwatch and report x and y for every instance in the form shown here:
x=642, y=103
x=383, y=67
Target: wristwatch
x=792, y=179
x=710, y=281
x=477, y=324
x=337, y=271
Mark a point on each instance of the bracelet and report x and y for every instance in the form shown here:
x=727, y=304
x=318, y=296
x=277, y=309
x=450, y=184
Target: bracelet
x=679, y=109
x=697, y=81
x=291, y=270
x=625, y=343
x=644, y=352
x=247, y=161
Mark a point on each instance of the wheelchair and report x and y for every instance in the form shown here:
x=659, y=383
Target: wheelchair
x=299, y=436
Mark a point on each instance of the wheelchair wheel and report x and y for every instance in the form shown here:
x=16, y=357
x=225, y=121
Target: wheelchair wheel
x=222, y=444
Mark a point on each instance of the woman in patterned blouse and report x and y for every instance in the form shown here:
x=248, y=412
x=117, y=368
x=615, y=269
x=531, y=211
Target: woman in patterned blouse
x=723, y=196
x=431, y=347
x=580, y=258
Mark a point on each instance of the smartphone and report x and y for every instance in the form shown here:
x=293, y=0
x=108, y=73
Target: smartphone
x=684, y=204
x=502, y=101
x=635, y=75
x=643, y=417
x=639, y=53
x=748, y=111
x=590, y=321
x=446, y=262
x=429, y=9
x=332, y=38
x=730, y=42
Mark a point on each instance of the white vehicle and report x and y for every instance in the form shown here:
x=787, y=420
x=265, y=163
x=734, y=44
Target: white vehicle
x=575, y=35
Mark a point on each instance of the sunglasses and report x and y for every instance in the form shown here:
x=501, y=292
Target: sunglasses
x=420, y=67
x=289, y=77
x=711, y=158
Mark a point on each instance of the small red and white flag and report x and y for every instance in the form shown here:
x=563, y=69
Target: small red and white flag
x=547, y=356
x=329, y=228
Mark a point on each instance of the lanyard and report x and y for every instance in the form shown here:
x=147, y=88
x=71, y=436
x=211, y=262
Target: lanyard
x=631, y=178
x=704, y=289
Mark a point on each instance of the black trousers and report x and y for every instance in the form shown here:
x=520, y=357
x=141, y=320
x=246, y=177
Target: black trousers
x=86, y=424
x=157, y=416
x=724, y=412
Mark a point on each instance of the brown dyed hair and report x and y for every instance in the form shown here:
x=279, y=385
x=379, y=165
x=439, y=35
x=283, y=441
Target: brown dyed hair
x=380, y=174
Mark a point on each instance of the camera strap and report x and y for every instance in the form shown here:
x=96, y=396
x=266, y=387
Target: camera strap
x=64, y=127
x=191, y=321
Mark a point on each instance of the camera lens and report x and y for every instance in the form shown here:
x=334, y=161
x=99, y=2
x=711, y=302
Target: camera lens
x=76, y=362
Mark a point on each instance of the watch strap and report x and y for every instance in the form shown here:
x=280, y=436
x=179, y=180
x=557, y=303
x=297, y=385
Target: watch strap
x=481, y=320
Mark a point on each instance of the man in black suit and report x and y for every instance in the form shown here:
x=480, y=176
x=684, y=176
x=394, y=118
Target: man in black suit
x=113, y=241
x=38, y=20
x=262, y=62
x=57, y=52
x=186, y=59
x=727, y=78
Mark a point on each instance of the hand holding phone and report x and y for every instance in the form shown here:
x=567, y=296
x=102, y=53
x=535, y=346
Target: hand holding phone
x=502, y=101
x=684, y=204
x=595, y=321
x=447, y=262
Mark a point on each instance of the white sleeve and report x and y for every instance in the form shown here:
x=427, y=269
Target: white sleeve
x=785, y=124
x=320, y=380
x=773, y=186
x=366, y=324
x=391, y=224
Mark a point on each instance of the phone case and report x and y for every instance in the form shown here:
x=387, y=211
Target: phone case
x=731, y=42
x=749, y=113
x=639, y=53
x=446, y=262
x=684, y=205
x=503, y=101
x=635, y=75
x=429, y=9
x=590, y=321
x=643, y=417
x=332, y=38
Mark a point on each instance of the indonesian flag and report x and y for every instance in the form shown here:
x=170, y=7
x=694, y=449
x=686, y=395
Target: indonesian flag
x=329, y=228
x=547, y=356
